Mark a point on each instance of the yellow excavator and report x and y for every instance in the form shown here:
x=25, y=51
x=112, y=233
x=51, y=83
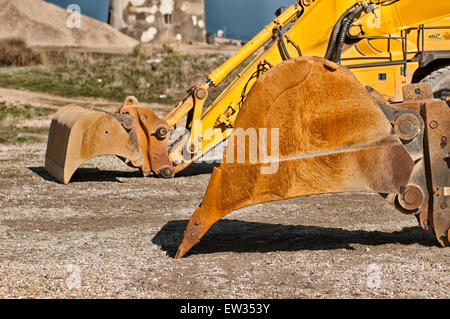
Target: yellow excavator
x=344, y=96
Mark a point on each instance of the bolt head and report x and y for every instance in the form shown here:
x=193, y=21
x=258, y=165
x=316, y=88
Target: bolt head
x=201, y=93
x=128, y=123
x=433, y=124
x=166, y=172
x=161, y=133
x=407, y=127
x=411, y=198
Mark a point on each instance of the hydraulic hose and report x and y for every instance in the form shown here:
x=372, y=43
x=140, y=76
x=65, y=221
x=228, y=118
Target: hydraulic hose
x=283, y=45
x=344, y=30
x=334, y=34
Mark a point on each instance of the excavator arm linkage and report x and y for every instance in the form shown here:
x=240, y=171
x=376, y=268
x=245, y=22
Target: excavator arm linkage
x=333, y=137
x=312, y=127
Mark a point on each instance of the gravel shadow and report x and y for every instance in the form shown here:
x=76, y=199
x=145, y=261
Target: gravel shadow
x=89, y=175
x=197, y=169
x=243, y=237
x=99, y=175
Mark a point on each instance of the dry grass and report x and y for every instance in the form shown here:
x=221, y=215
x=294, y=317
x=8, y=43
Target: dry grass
x=15, y=52
x=150, y=76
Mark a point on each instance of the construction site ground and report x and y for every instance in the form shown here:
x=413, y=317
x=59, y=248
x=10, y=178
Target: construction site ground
x=111, y=233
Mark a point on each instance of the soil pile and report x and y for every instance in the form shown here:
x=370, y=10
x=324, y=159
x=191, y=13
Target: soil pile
x=43, y=24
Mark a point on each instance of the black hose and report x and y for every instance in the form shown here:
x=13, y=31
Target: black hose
x=281, y=40
x=331, y=49
x=283, y=49
x=344, y=30
x=342, y=34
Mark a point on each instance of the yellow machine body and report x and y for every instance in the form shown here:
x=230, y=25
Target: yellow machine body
x=335, y=134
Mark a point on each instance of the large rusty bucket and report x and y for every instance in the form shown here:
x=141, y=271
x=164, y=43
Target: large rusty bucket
x=333, y=137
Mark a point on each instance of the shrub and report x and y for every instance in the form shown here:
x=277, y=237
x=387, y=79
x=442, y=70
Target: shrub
x=15, y=52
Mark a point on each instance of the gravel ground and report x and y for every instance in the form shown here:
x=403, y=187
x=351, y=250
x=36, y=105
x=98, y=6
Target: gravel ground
x=112, y=234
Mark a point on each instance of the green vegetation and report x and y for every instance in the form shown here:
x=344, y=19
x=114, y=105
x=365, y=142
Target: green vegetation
x=25, y=111
x=9, y=138
x=9, y=117
x=162, y=77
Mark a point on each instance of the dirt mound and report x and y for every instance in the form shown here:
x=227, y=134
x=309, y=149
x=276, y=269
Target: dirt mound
x=43, y=24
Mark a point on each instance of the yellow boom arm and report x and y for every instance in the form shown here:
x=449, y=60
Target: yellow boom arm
x=309, y=28
x=331, y=134
x=210, y=127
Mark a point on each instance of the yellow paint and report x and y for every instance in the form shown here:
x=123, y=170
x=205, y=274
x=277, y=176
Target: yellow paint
x=311, y=33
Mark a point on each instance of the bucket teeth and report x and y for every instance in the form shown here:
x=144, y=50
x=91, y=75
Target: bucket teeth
x=78, y=134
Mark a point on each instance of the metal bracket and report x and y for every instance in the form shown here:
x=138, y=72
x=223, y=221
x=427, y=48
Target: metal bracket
x=409, y=127
x=437, y=115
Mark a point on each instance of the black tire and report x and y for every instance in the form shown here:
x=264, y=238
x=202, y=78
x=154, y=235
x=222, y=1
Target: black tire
x=440, y=81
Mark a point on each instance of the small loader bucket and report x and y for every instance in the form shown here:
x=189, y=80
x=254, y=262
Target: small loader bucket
x=78, y=134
